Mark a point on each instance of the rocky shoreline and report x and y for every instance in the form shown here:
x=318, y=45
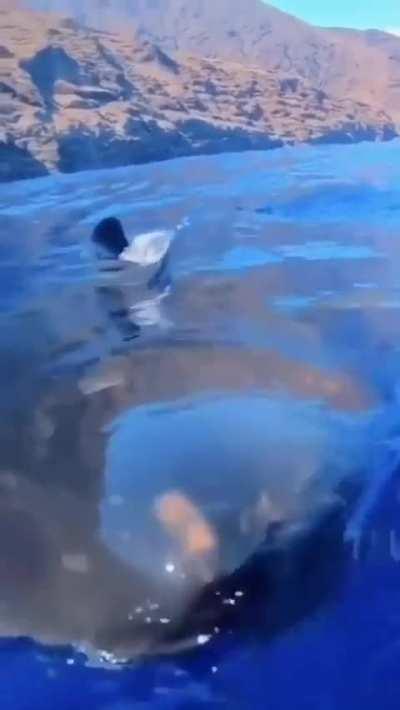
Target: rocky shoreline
x=73, y=98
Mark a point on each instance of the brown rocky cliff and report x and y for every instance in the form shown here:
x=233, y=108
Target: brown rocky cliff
x=364, y=66
x=74, y=98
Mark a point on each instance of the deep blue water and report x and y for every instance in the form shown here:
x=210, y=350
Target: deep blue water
x=284, y=278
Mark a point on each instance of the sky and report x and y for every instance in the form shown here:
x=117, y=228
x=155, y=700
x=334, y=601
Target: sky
x=364, y=14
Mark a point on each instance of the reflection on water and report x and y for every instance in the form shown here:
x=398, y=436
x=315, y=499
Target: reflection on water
x=163, y=441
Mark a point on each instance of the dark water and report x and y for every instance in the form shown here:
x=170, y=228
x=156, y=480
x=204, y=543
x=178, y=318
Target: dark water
x=266, y=360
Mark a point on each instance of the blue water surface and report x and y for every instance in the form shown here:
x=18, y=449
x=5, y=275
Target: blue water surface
x=294, y=255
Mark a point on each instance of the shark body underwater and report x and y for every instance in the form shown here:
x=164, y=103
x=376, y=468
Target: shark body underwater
x=135, y=528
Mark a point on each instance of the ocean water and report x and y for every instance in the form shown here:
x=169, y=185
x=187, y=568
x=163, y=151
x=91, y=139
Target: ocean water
x=275, y=322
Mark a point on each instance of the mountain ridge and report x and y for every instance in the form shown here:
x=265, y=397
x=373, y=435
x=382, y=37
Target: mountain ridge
x=73, y=97
x=337, y=61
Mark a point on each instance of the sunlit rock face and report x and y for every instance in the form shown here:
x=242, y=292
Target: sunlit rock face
x=335, y=61
x=75, y=98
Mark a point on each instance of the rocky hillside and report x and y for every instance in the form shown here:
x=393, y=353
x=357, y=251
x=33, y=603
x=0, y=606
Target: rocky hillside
x=347, y=64
x=73, y=98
